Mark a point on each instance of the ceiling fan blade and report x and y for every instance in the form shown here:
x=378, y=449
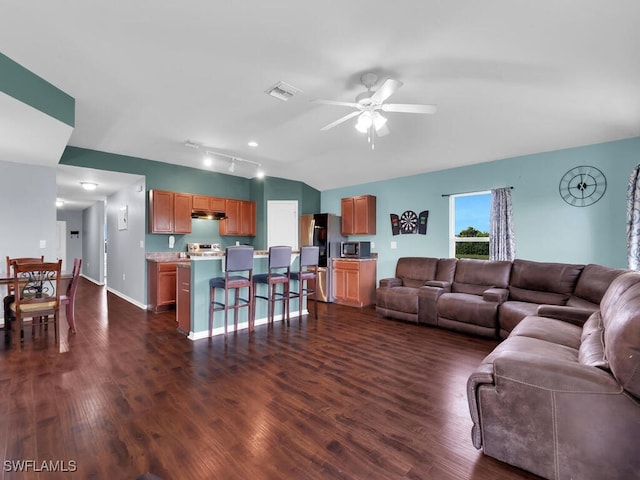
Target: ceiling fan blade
x=340, y=104
x=340, y=120
x=386, y=90
x=408, y=108
x=383, y=130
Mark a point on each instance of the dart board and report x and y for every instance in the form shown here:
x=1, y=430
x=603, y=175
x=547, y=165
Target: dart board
x=408, y=222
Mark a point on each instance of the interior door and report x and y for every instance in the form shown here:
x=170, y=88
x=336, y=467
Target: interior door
x=282, y=223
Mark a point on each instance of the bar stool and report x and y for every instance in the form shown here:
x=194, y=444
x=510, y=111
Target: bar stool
x=307, y=271
x=278, y=273
x=237, y=259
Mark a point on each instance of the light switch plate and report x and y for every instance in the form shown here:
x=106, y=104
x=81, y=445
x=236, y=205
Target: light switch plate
x=394, y=245
x=43, y=244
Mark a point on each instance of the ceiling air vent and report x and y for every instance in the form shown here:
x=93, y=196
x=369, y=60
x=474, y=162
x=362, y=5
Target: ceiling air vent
x=282, y=91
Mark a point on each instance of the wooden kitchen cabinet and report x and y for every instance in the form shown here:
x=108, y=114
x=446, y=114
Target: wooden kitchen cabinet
x=169, y=212
x=248, y=218
x=161, y=283
x=206, y=203
x=359, y=215
x=354, y=282
x=183, y=298
x=240, y=218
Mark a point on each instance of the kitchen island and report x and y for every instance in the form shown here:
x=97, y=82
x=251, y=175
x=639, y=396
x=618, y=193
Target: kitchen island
x=201, y=270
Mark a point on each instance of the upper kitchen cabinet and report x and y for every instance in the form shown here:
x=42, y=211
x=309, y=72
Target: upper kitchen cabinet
x=169, y=212
x=205, y=203
x=240, y=218
x=359, y=215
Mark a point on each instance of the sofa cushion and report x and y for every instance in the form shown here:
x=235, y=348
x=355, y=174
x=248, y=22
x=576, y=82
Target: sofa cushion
x=550, y=330
x=535, y=296
x=534, y=281
x=594, y=281
x=592, y=343
x=512, y=313
x=402, y=299
x=476, y=276
x=621, y=321
x=446, y=269
x=415, y=271
x=466, y=308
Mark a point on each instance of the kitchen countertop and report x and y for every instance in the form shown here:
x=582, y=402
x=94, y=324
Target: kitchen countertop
x=165, y=257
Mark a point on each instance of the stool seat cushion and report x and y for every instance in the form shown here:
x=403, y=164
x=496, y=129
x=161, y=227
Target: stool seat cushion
x=235, y=281
x=275, y=278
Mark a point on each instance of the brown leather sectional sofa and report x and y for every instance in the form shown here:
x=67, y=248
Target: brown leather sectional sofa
x=560, y=396
x=489, y=298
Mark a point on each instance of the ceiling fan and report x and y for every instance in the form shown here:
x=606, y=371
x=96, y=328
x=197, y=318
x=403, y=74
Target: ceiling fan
x=368, y=105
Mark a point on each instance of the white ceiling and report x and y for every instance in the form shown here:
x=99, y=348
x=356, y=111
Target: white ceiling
x=510, y=77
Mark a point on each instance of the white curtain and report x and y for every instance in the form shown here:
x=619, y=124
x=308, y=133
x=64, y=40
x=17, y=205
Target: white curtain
x=501, y=240
x=633, y=219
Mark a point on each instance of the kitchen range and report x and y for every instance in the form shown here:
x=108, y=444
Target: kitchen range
x=204, y=249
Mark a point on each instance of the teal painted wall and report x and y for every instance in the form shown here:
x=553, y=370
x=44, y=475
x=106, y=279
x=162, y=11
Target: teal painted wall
x=29, y=88
x=546, y=228
x=273, y=188
x=164, y=176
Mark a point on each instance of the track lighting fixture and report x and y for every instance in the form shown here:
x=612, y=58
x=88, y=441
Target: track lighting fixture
x=209, y=153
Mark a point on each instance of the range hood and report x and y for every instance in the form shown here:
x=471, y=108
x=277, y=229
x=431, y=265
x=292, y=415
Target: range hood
x=208, y=215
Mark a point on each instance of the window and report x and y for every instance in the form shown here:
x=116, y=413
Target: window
x=469, y=225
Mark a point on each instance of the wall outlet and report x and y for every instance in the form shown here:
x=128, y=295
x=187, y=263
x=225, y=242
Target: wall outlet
x=141, y=243
x=123, y=276
x=394, y=245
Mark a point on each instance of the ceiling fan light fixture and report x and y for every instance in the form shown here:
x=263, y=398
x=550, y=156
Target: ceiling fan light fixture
x=364, y=122
x=378, y=120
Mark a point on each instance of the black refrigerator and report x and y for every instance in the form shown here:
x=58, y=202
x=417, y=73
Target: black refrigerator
x=323, y=230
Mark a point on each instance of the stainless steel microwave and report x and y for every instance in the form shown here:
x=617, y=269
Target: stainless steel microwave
x=355, y=249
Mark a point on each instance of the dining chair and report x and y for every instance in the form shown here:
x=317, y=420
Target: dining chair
x=238, y=274
x=278, y=273
x=8, y=299
x=36, y=294
x=68, y=300
x=306, y=277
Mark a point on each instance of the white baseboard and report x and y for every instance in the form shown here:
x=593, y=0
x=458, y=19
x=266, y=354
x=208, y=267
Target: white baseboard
x=92, y=280
x=241, y=326
x=127, y=298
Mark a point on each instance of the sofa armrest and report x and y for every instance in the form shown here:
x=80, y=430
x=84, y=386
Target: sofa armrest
x=574, y=315
x=482, y=376
x=427, y=304
x=538, y=371
x=390, y=282
x=445, y=286
x=494, y=294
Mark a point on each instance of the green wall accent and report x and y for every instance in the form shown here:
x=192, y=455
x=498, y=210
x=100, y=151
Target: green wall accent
x=29, y=88
x=546, y=228
x=165, y=176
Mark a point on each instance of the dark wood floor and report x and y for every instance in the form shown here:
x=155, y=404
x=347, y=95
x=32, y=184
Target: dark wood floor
x=347, y=396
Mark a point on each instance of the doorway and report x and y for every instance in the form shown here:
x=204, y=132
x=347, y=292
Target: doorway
x=282, y=223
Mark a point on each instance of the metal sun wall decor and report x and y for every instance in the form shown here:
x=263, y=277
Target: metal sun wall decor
x=409, y=222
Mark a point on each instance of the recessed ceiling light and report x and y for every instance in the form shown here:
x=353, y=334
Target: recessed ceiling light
x=89, y=185
x=252, y=143
x=59, y=203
